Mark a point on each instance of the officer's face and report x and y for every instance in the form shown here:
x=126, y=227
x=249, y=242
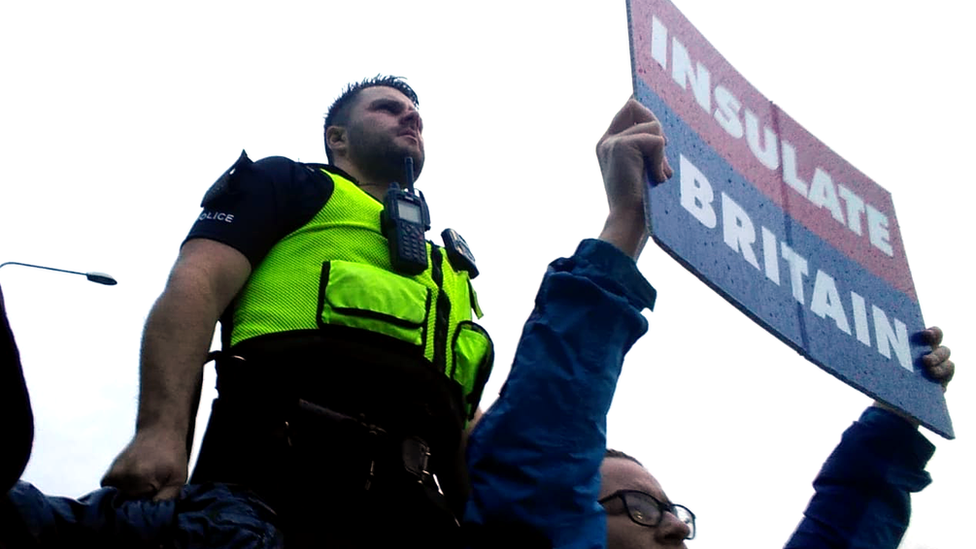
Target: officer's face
x=622, y=532
x=384, y=127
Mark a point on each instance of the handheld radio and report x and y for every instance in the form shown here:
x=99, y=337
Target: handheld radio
x=404, y=220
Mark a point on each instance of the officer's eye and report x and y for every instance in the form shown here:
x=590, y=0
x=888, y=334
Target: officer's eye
x=391, y=108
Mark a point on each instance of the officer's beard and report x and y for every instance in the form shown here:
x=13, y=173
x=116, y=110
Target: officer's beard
x=383, y=162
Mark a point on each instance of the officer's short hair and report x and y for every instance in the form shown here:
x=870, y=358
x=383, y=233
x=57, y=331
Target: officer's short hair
x=611, y=453
x=338, y=114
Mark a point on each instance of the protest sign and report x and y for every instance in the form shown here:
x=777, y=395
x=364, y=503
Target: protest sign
x=778, y=223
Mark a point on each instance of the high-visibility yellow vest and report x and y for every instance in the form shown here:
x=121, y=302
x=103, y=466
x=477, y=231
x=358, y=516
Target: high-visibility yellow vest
x=335, y=271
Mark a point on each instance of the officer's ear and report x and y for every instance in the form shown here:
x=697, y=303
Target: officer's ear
x=336, y=140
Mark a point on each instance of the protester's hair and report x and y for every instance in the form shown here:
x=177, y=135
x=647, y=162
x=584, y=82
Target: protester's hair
x=611, y=453
x=338, y=114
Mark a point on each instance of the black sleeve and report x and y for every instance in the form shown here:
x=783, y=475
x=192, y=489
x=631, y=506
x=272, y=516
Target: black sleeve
x=15, y=408
x=255, y=204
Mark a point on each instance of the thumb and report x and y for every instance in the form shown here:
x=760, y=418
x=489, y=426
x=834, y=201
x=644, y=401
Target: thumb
x=130, y=484
x=168, y=493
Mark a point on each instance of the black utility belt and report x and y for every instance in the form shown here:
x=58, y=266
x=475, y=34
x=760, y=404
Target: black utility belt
x=396, y=393
x=312, y=428
x=268, y=400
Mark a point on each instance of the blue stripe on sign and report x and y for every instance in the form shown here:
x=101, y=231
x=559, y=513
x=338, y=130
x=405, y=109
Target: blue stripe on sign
x=743, y=276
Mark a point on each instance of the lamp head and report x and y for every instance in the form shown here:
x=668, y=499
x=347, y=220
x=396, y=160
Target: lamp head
x=101, y=278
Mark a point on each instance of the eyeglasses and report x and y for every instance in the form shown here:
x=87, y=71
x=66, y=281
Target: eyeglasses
x=646, y=510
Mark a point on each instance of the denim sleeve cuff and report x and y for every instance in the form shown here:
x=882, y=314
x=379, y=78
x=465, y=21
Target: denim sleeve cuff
x=611, y=269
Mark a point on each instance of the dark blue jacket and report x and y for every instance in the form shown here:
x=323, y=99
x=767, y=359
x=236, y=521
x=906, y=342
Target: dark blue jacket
x=862, y=491
x=209, y=516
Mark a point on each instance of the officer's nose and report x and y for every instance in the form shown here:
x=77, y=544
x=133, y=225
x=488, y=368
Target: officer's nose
x=412, y=119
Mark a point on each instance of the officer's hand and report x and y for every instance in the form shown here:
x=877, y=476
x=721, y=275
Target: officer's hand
x=633, y=143
x=153, y=465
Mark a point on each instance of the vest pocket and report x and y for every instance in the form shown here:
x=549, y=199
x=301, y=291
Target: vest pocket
x=474, y=356
x=362, y=296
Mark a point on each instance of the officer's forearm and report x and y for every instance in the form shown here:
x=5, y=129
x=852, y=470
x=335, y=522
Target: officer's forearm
x=174, y=348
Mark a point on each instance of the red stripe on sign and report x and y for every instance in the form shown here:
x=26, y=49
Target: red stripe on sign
x=804, y=177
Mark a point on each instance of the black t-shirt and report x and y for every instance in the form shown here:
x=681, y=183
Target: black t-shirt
x=255, y=204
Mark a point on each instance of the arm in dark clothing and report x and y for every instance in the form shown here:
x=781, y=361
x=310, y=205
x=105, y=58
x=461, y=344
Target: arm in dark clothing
x=535, y=455
x=862, y=497
x=207, y=516
x=16, y=418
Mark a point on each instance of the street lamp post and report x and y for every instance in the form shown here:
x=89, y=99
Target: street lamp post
x=99, y=278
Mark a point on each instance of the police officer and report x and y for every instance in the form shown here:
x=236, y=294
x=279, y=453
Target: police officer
x=347, y=375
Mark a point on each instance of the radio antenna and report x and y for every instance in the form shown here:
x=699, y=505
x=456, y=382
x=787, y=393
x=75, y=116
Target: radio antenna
x=408, y=172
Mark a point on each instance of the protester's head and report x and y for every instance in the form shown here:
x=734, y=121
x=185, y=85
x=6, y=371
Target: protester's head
x=373, y=126
x=639, y=514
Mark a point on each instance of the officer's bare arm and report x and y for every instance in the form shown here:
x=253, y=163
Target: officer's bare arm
x=206, y=277
x=180, y=328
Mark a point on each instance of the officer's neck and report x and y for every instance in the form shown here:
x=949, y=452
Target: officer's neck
x=373, y=186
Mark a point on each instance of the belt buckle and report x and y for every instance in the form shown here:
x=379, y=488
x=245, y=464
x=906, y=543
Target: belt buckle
x=416, y=455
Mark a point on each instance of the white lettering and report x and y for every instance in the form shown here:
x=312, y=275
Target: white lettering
x=823, y=193
x=739, y=234
x=861, y=319
x=727, y=112
x=737, y=120
x=216, y=216
x=878, y=230
x=738, y=229
x=696, y=193
x=682, y=73
x=768, y=155
x=659, y=42
x=798, y=268
x=770, y=257
x=855, y=207
x=826, y=301
x=789, y=169
x=897, y=338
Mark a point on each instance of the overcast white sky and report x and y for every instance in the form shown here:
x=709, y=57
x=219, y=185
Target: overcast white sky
x=116, y=118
